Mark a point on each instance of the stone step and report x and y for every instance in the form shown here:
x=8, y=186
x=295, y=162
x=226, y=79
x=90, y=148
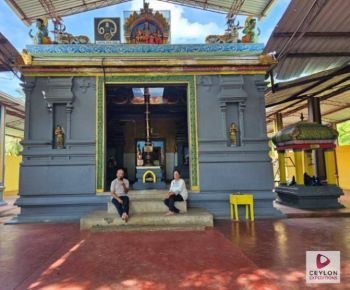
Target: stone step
x=143, y=194
x=195, y=217
x=132, y=228
x=148, y=206
x=152, y=196
x=148, y=192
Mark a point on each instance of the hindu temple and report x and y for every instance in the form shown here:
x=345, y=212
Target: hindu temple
x=147, y=106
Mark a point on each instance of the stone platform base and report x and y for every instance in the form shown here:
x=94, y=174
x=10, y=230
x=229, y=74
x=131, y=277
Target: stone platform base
x=147, y=213
x=57, y=208
x=155, y=172
x=309, y=197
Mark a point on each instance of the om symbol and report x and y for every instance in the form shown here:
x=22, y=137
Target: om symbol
x=108, y=28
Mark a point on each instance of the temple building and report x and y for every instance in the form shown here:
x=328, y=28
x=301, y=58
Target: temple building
x=199, y=92
x=146, y=106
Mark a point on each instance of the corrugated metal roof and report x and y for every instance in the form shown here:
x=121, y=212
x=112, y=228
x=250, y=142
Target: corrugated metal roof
x=28, y=11
x=8, y=54
x=332, y=87
x=14, y=117
x=312, y=36
x=11, y=102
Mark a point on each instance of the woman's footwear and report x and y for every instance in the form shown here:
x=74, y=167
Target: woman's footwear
x=170, y=213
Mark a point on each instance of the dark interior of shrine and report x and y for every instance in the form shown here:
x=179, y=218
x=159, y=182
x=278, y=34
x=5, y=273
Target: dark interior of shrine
x=126, y=130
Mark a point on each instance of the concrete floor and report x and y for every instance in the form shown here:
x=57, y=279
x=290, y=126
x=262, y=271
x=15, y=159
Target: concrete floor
x=266, y=254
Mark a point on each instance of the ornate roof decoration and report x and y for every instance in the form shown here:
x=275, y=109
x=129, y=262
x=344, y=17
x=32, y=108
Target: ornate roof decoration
x=147, y=27
x=305, y=135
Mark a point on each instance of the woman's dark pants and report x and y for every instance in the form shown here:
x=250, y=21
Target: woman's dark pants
x=170, y=202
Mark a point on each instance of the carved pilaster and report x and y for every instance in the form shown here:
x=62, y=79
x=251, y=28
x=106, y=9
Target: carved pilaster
x=69, y=109
x=28, y=85
x=260, y=85
x=223, y=110
x=242, y=106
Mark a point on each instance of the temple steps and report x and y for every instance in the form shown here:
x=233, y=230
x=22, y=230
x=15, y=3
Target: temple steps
x=153, y=228
x=148, y=206
x=147, y=213
x=195, y=218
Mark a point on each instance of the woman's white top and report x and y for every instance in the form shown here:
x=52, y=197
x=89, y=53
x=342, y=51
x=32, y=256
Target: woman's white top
x=179, y=187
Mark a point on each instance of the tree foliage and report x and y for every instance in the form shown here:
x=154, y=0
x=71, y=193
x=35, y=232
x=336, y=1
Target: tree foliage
x=344, y=133
x=13, y=147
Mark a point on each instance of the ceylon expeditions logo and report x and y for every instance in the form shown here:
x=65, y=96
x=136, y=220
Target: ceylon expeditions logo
x=322, y=267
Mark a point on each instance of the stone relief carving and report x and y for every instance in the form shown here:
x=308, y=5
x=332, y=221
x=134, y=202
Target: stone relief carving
x=233, y=134
x=59, y=137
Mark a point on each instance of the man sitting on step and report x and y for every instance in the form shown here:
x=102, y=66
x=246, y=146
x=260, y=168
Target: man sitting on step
x=119, y=190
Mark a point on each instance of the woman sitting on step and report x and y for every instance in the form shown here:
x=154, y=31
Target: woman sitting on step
x=177, y=192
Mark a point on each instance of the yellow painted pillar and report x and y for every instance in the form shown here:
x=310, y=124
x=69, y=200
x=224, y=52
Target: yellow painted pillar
x=282, y=167
x=308, y=163
x=2, y=153
x=330, y=166
x=299, y=168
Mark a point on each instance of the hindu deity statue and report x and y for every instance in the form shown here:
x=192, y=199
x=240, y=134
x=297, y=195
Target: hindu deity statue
x=251, y=32
x=140, y=161
x=233, y=134
x=231, y=35
x=42, y=35
x=59, y=137
x=147, y=27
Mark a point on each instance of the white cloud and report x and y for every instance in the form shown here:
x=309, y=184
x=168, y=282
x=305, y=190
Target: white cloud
x=10, y=84
x=182, y=29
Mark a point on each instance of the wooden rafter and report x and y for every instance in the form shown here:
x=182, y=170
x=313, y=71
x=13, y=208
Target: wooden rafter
x=313, y=34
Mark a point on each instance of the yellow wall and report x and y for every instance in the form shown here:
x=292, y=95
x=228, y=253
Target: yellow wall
x=343, y=162
x=12, y=174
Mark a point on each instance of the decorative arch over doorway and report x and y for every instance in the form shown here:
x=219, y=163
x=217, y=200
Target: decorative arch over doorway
x=189, y=80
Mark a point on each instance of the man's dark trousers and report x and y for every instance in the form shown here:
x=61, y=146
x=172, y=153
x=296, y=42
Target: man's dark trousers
x=121, y=208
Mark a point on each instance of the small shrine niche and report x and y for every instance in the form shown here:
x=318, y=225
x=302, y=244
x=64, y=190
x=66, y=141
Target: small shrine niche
x=147, y=26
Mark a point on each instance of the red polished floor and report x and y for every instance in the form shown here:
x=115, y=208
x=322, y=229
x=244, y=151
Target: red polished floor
x=266, y=254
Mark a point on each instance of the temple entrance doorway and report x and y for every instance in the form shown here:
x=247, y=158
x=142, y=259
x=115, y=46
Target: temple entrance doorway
x=146, y=133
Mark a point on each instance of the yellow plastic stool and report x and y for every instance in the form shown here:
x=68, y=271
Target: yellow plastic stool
x=242, y=199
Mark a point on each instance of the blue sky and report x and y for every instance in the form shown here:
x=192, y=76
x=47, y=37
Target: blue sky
x=189, y=25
